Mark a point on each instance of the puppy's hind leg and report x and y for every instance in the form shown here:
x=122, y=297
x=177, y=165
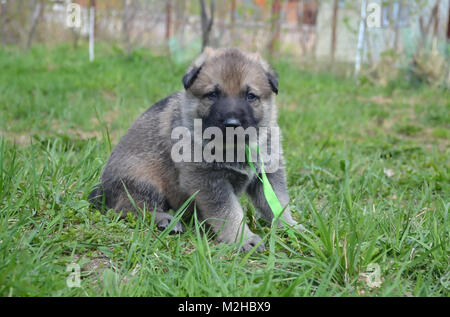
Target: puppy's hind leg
x=146, y=196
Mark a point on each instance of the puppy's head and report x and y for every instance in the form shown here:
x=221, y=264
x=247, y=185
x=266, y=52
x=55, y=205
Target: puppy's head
x=231, y=88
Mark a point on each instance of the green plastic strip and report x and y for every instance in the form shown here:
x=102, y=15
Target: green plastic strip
x=269, y=193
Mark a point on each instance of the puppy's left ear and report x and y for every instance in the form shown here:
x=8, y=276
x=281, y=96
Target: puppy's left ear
x=190, y=76
x=272, y=76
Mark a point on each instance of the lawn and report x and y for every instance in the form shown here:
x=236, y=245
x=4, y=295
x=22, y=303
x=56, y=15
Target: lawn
x=368, y=173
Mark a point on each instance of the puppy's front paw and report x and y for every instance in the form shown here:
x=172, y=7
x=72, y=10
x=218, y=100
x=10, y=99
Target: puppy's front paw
x=251, y=242
x=164, y=223
x=294, y=224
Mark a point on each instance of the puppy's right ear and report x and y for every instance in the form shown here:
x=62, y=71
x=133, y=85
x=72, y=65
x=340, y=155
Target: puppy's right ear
x=190, y=76
x=272, y=75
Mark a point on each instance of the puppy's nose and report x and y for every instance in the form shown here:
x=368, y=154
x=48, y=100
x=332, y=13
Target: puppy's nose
x=232, y=123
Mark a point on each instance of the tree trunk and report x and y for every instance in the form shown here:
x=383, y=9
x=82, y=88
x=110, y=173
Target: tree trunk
x=91, y=29
x=3, y=18
x=76, y=37
x=424, y=29
x=37, y=15
x=275, y=26
x=448, y=24
x=301, y=29
x=207, y=22
x=436, y=19
x=333, y=29
x=126, y=18
x=168, y=18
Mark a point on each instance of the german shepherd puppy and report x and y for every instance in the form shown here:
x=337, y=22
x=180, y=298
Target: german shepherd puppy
x=224, y=88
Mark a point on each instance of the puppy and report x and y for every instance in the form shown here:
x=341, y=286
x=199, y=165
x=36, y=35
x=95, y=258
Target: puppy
x=160, y=162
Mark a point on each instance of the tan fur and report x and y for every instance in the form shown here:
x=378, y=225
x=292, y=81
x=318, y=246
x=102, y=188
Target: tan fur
x=233, y=71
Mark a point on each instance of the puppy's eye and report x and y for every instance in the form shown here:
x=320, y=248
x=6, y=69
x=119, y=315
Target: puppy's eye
x=251, y=97
x=213, y=95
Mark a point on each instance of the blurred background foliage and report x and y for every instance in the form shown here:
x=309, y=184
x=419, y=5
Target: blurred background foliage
x=410, y=40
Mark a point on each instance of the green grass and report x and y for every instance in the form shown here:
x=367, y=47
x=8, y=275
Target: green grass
x=368, y=174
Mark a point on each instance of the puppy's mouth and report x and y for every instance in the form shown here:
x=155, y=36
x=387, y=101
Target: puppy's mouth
x=231, y=139
x=231, y=149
